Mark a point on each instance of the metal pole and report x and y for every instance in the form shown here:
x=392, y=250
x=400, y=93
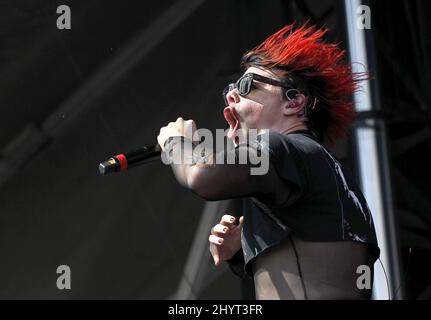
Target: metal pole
x=198, y=262
x=373, y=162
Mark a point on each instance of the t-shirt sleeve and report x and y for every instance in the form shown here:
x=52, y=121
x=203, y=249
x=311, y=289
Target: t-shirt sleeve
x=285, y=159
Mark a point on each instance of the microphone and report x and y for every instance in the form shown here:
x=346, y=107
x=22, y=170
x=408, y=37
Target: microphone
x=124, y=161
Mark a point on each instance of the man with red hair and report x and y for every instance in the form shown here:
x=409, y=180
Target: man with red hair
x=306, y=228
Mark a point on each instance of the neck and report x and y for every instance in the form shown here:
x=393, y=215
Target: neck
x=286, y=128
x=294, y=127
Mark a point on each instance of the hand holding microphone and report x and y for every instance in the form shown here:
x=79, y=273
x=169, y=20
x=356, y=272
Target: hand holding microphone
x=124, y=161
x=181, y=127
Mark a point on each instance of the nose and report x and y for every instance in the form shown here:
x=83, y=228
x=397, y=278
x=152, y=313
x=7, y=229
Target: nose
x=232, y=96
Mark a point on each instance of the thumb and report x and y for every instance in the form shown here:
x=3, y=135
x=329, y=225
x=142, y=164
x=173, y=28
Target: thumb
x=241, y=222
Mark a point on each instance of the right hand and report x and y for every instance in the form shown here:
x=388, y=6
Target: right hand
x=225, y=238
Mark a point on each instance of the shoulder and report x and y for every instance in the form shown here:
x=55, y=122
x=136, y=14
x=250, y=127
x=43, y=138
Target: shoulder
x=296, y=142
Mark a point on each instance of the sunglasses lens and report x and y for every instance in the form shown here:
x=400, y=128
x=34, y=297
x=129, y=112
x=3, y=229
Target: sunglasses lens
x=244, y=85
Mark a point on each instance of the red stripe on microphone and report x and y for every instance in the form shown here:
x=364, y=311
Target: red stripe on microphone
x=122, y=160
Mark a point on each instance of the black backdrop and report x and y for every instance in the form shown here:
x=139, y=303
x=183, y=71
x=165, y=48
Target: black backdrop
x=71, y=98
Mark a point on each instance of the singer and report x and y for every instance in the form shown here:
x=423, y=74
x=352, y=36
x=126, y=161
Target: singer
x=305, y=229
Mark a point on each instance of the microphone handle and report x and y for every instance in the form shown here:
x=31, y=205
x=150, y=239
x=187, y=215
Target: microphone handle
x=142, y=155
x=122, y=162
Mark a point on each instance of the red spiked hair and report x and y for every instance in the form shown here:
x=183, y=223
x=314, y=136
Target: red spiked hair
x=318, y=69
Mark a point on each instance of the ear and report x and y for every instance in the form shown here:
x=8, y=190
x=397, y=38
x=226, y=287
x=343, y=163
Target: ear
x=295, y=105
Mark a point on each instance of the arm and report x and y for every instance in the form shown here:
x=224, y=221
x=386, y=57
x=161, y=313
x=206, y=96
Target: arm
x=216, y=179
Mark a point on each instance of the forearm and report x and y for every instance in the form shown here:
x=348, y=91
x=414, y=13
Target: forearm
x=215, y=182
x=187, y=164
x=219, y=176
x=185, y=174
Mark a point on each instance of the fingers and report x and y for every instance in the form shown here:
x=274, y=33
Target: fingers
x=190, y=121
x=181, y=120
x=220, y=232
x=219, y=229
x=228, y=220
x=227, y=224
x=215, y=240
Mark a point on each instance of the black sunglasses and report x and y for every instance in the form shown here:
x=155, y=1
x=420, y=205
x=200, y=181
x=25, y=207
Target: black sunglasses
x=244, y=85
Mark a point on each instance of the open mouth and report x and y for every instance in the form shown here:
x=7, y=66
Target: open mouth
x=232, y=119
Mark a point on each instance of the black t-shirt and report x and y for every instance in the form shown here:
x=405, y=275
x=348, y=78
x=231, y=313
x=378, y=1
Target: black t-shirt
x=328, y=205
